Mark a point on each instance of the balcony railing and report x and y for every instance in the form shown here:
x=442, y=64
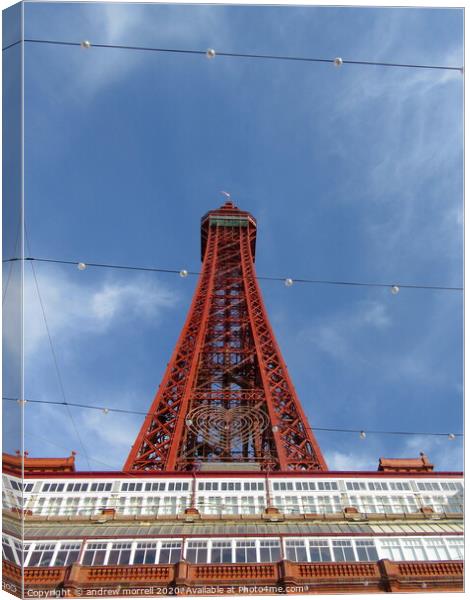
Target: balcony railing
x=287, y=576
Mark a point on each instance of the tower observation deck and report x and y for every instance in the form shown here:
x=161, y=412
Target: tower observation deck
x=226, y=397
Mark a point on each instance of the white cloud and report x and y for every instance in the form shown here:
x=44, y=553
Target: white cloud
x=445, y=454
x=82, y=74
x=74, y=308
x=335, y=335
x=98, y=433
x=342, y=461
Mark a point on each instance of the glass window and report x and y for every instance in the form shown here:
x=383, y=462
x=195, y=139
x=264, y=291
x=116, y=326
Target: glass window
x=67, y=554
x=319, y=551
x=269, y=551
x=413, y=549
x=309, y=505
x=169, y=552
x=145, y=553
x=151, y=505
x=245, y=551
x=221, y=552
x=378, y=485
x=41, y=555
x=456, y=547
x=391, y=549
x=21, y=551
x=135, y=505
x=354, y=502
x=367, y=503
x=54, y=506
x=90, y=505
x=399, y=485
x=231, y=486
x=383, y=504
x=94, y=554
x=291, y=505
x=120, y=554
x=8, y=553
x=455, y=504
x=296, y=550
x=196, y=552
x=248, y=505
x=329, y=485
x=366, y=550
x=212, y=505
x=436, y=549
x=40, y=507
x=169, y=505
x=343, y=551
x=325, y=504
x=355, y=485
x=230, y=505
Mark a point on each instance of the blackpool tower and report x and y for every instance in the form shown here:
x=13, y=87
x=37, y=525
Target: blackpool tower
x=225, y=490
x=226, y=396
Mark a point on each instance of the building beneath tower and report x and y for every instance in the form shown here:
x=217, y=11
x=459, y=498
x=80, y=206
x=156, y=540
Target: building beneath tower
x=225, y=489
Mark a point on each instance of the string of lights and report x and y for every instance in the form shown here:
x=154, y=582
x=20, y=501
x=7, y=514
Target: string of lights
x=288, y=281
x=211, y=53
x=362, y=433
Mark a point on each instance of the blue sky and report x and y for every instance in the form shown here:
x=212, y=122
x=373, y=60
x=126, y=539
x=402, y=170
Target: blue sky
x=353, y=174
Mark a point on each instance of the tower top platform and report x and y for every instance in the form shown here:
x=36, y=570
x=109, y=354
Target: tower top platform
x=228, y=215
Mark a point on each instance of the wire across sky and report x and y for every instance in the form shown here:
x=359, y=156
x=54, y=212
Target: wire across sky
x=106, y=410
x=213, y=53
x=288, y=281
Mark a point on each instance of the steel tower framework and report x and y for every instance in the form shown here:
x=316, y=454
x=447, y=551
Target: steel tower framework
x=226, y=396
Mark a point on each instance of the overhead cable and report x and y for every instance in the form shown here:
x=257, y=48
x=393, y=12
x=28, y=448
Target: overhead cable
x=212, y=53
x=394, y=287
x=56, y=363
x=106, y=410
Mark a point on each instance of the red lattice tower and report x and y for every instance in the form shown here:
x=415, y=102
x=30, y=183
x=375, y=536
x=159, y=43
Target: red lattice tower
x=226, y=396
